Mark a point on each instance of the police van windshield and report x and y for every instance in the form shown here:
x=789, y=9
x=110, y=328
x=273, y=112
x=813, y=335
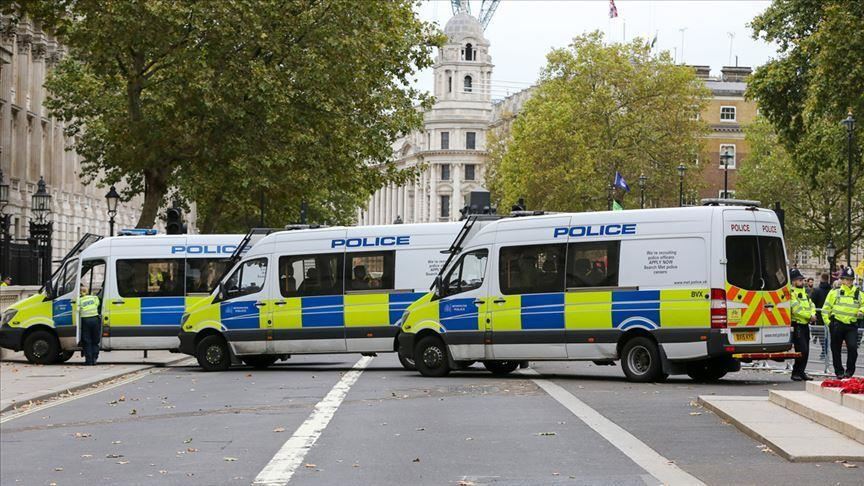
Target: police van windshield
x=756, y=262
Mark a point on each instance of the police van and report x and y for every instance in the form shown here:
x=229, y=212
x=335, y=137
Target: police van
x=324, y=290
x=665, y=291
x=144, y=283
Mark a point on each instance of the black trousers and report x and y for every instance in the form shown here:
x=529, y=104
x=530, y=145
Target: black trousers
x=801, y=340
x=839, y=333
x=91, y=334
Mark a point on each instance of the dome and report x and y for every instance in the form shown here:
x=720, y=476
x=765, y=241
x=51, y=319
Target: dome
x=463, y=26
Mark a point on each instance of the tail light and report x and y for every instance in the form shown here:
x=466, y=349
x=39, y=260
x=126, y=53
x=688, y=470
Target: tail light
x=718, y=309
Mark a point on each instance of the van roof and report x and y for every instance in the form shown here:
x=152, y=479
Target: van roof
x=104, y=246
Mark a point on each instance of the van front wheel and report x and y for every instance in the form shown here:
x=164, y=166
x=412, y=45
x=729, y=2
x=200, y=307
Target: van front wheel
x=407, y=362
x=260, y=362
x=213, y=354
x=501, y=368
x=640, y=360
x=41, y=347
x=430, y=357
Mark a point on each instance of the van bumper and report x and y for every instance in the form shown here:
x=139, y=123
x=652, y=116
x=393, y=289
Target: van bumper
x=11, y=337
x=187, y=342
x=719, y=345
x=406, y=344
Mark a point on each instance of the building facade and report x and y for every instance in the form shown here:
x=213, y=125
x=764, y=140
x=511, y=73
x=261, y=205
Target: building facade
x=33, y=145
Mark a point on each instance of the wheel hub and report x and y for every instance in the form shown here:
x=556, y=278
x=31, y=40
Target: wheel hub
x=214, y=354
x=40, y=348
x=639, y=360
x=433, y=357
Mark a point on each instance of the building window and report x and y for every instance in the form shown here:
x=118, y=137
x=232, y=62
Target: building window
x=728, y=155
x=471, y=140
x=727, y=113
x=445, y=206
x=449, y=84
x=469, y=52
x=445, y=172
x=445, y=140
x=468, y=82
x=726, y=194
x=469, y=172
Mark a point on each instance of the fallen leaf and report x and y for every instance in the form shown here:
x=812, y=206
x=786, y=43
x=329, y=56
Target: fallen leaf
x=81, y=435
x=695, y=413
x=58, y=468
x=122, y=462
x=133, y=412
x=187, y=440
x=420, y=429
x=547, y=433
x=229, y=459
x=86, y=456
x=355, y=465
x=309, y=465
x=469, y=438
x=279, y=429
x=113, y=456
x=117, y=442
x=122, y=398
x=416, y=460
x=191, y=449
x=162, y=471
x=850, y=466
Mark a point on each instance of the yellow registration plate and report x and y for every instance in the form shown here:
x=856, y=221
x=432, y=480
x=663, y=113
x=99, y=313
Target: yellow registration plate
x=745, y=337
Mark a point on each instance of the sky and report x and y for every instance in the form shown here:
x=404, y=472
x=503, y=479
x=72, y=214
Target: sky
x=522, y=32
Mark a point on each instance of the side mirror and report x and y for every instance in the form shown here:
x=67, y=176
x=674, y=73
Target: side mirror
x=437, y=285
x=220, y=294
x=49, y=289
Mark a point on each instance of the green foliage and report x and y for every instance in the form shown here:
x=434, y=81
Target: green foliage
x=805, y=93
x=217, y=102
x=600, y=109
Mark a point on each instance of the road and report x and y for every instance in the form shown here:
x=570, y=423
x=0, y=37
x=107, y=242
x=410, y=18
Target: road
x=556, y=423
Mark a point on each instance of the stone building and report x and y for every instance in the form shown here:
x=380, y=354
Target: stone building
x=33, y=145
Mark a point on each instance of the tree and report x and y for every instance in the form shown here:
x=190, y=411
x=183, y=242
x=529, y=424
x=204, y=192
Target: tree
x=599, y=109
x=813, y=199
x=804, y=93
x=217, y=102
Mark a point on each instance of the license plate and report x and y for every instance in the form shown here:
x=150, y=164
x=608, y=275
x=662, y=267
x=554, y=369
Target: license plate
x=745, y=337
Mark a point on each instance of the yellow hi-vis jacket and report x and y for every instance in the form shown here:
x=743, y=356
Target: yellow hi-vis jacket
x=88, y=306
x=802, y=307
x=844, y=304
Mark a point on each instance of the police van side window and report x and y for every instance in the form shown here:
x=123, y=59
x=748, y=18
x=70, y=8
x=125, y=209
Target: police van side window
x=151, y=278
x=66, y=278
x=309, y=275
x=202, y=274
x=467, y=274
x=93, y=277
x=593, y=264
x=248, y=279
x=370, y=271
x=531, y=269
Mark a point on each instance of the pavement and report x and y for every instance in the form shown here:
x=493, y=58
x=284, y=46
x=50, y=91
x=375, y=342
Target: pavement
x=328, y=420
x=22, y=383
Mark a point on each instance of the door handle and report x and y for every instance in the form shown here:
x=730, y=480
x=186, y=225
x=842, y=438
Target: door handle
x=279, y=302
x=118, y=302
x=768, y=306
x=499, y=301
x=260, y=304
x=479, y=301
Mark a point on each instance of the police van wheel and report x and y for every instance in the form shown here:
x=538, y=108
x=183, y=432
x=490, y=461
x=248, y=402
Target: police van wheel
x=430, y=357
x=41, y=347
x=640, y=359
x=64, y=356
x=501, y=367
x=213, y=353
x=259, y=362
x=407, y=362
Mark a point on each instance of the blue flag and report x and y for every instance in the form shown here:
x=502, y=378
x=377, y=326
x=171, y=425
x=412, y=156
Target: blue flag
x=620, y=182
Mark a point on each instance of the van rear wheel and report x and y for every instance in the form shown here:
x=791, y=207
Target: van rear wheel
x=41, y=347
x=260, y=362
x=501, y=368
x=407, y=362
x=640, y=360
x=65, y=356
x=430, y=357
x=213, y=354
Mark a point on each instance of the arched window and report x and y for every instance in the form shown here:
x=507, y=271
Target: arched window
x=467, y=84
x=469, y=52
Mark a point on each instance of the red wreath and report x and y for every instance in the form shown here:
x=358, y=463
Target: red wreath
x=853, y=386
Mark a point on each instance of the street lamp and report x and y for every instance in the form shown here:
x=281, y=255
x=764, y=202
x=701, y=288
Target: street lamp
x=850, y=129
x=831, y=253
x=4, y=192
x=41, y=228
x=642, y=180
x=112, y=198
x=4, y=227
x=725, y=158
x=681, y=170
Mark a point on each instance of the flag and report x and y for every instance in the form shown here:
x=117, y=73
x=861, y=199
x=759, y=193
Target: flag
x=616, y=206
x=654, y=41
x=620, y=182
x=613, y=10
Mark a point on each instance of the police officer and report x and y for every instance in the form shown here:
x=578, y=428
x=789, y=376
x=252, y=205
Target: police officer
x=843, y=307
x=91, y=326
x=803, y=314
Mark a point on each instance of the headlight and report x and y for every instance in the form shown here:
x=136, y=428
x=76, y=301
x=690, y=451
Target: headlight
x=7, y=316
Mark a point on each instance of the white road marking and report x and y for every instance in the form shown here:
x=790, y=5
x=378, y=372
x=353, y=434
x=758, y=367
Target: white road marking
x=664, y=470
x=283, y=465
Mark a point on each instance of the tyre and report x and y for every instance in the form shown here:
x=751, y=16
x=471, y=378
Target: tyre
x=213, y=353
x=260, y=362
x=640, y=360
x=706, y=370
x=41, y=347
x=64, y=356
x=407, y=362
x=501, y=368
x=430, y=357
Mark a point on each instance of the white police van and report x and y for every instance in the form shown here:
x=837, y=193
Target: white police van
x=144, y=282
x=666, y=291
x=324, y=290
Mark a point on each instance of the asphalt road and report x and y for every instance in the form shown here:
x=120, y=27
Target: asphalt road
x=185, y=426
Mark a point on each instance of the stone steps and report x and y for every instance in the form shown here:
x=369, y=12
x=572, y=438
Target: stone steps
x=855, y=402
x=822, y=411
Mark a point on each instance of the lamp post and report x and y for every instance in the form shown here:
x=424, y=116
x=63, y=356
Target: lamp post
x=850, y=129
x=642, y=180
x=4, y=227
x=725, y=157
x=831, y=253
x=112, y=198
x=681, y=170
x=41, y=227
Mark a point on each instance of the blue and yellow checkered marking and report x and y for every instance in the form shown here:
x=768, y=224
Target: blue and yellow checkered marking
x=636, y=308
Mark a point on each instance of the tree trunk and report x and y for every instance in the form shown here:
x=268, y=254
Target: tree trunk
x=155, y=187
x=208, y=225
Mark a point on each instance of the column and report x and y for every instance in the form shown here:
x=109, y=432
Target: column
x=433, y=193
x=388, y=204
x=22, y=85
x=456, y=198
x=415, y=217
x=405, y=201
x=379, y=206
